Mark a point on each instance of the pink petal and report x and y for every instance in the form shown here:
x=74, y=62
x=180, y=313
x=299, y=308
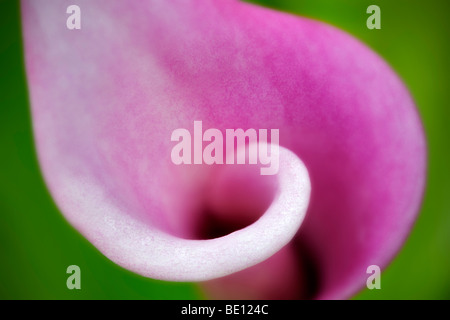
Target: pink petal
x=106, y=98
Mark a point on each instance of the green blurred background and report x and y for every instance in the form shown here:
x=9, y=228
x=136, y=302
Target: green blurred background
x=37, y=244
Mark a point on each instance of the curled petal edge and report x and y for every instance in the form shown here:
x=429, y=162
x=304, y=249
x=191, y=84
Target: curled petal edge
x=151, y=252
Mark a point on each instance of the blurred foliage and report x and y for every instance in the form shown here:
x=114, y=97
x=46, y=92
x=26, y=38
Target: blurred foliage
x=37, y=244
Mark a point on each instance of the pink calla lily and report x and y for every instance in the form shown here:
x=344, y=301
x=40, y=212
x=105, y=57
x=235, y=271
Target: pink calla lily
x=106, y=98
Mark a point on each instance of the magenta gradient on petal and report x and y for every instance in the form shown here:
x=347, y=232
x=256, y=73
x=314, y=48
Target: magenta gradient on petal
x=106, y=98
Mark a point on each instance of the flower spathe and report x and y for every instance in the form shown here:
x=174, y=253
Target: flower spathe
x=106, y=98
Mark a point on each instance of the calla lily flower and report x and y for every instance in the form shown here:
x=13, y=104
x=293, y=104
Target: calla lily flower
x=106, y=98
